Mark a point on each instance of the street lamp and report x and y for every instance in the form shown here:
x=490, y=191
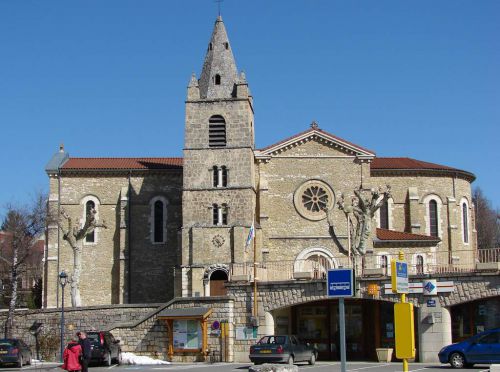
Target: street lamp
x=63, y=279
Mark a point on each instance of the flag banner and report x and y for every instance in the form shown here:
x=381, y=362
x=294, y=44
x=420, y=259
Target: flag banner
x=250, y=236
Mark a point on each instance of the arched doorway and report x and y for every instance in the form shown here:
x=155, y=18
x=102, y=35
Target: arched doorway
x=316, y=261
x=217, y=280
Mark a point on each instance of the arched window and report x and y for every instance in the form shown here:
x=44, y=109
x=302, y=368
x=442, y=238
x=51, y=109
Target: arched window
x=219, y=176
x=89, y=207
x=433, y=218
x=419, y=264
x=226, y=45
x=158, y=220
x=465, y=223
x=219, y=216
x=215, y=176
x=384, y=215
x=216, y=131
x=384, y=264
x=158, y=223
x=217, y=79
x=90, y=203
x=224, y=176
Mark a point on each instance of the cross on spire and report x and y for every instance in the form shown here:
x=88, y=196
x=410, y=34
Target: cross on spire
x=218, y=4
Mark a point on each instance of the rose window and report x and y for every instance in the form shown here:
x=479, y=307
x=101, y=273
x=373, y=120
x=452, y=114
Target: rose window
x=312, y=198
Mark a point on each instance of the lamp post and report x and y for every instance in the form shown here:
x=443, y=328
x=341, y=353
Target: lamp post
x=63, y=279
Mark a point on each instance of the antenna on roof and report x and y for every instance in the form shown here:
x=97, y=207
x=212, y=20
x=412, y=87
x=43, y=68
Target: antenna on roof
x=218, y=5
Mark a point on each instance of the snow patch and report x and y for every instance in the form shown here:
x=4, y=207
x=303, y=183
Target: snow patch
x=131, y=358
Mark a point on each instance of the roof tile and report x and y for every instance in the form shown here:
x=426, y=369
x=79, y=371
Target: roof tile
x=384, y=234
x=122, y=163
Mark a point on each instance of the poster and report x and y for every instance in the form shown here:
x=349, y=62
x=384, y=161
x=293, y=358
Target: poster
x=246, y=333
x=187, y=334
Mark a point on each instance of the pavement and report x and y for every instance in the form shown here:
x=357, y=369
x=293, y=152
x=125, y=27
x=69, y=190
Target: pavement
x=241, y=367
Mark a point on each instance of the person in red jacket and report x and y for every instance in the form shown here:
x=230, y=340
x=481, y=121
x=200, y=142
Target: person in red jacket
x=71, y=357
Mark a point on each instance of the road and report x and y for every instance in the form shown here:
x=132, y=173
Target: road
x=241, y=367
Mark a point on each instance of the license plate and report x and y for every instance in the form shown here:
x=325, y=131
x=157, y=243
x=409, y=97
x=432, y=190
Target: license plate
x=265, y=351
x=3, y=351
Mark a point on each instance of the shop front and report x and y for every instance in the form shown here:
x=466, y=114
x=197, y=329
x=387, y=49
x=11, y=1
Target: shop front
x=474, y=317
x=369, y=325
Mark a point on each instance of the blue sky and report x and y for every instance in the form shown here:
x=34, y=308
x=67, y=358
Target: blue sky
x=108, y=78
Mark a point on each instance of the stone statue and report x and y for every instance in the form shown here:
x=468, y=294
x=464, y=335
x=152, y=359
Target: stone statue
x=74, y=236
x=359, y=214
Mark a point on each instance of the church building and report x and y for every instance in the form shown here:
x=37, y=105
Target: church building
x=180, y=227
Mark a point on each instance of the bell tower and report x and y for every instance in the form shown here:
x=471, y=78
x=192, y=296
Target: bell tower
x=219, y=192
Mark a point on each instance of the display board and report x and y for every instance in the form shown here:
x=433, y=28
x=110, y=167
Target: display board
x=187, y=334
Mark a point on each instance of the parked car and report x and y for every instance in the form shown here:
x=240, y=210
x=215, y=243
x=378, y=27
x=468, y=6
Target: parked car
x=483, y=348
x=282, y=349
x=14, y=351
x=105, y=348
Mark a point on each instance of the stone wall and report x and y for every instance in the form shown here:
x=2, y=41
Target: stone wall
x=118, y=267
x=84, y=318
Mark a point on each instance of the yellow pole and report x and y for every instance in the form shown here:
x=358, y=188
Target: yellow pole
x=403, y=300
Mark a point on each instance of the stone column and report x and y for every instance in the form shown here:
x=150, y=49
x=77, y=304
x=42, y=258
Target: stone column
x=268, y=326
x=123, y=290
x=434, y=329
x=414, y=212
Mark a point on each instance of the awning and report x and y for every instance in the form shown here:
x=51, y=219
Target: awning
x=185, y=312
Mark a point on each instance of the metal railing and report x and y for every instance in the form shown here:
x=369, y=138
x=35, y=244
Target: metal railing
x=315, y=267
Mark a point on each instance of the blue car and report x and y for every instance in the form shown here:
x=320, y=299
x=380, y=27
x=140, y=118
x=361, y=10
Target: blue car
x=483, y=348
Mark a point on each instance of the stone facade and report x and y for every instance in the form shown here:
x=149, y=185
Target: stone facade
x=174, y=225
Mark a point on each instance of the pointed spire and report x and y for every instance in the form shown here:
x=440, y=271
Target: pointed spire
x=193, y=82
x=219, y=73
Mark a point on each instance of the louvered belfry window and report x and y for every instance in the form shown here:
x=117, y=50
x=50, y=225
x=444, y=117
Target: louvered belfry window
x=216, y=131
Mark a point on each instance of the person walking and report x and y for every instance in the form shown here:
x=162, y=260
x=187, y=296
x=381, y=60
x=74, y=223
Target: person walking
x=71, y=357
x=86, y=350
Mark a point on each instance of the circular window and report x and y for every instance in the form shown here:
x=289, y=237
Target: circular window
x=312, y=198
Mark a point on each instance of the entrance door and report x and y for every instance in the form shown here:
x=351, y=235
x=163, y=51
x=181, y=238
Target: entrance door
x=217, y=280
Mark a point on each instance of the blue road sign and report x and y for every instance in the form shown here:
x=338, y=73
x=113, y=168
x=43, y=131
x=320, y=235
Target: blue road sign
x=340, y=283
x=402, y=277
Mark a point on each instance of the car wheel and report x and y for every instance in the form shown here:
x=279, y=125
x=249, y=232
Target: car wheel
x=312, y=360
x=290, y=360
x=457, y=360
x=107, y=359
x=20, y=362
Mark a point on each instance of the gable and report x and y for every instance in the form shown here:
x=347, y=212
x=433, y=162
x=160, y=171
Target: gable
x=312, y=143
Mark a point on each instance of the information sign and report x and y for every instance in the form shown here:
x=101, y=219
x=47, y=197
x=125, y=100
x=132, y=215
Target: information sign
x=340, y=283
x=399, y=276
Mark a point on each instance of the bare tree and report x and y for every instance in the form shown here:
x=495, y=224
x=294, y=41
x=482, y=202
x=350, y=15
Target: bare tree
x=74, y=236
x=487, y=221
x=22, y=226
x=359, y=214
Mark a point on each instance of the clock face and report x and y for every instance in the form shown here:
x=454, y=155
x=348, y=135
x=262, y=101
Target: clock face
x=218, y=241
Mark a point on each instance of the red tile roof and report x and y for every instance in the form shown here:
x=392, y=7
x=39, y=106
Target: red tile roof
x=405, y=163
x=121, y=163
x=317, y=130
x=409, y=164
x=391, y=235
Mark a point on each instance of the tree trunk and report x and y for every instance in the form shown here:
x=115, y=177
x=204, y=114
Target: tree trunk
x=75, y=278
x=9, y=323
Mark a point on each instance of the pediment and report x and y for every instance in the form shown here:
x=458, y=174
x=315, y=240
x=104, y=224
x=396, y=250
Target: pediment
x=315, y=143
